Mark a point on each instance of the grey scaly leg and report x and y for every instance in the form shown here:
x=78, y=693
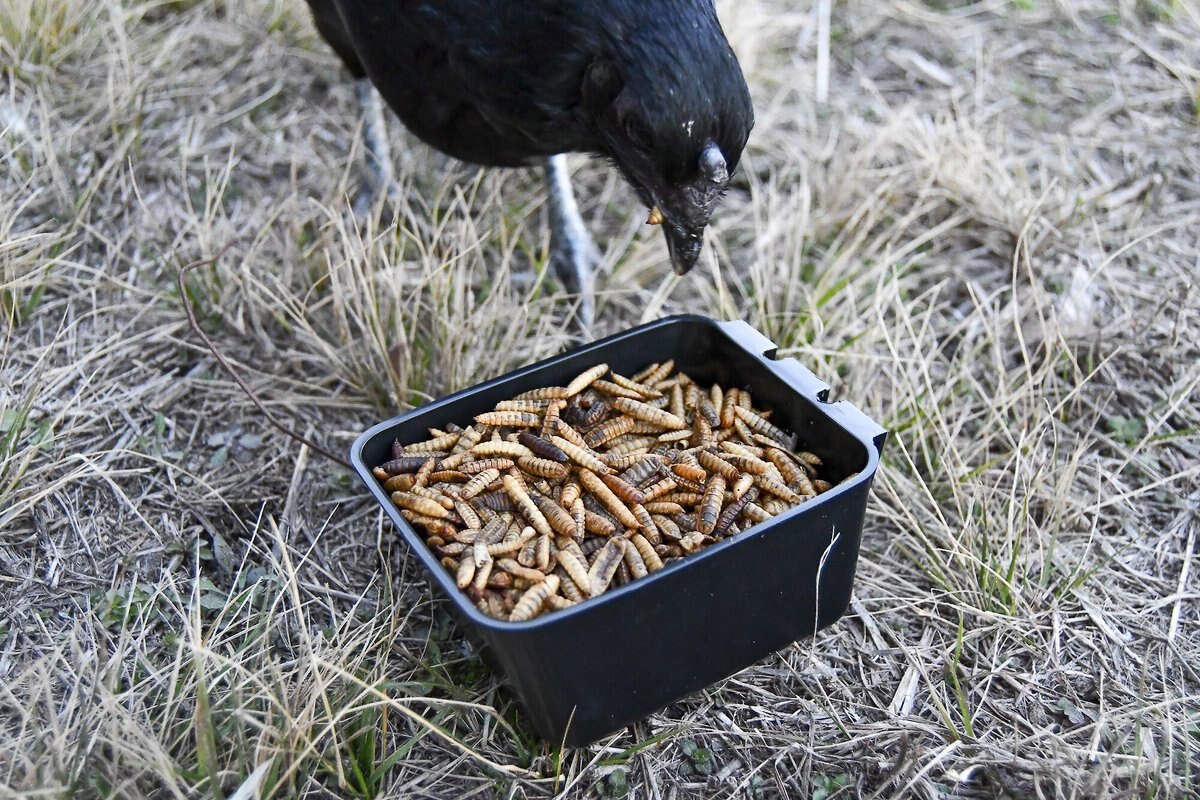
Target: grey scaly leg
x=573, y=255
x=378, y=173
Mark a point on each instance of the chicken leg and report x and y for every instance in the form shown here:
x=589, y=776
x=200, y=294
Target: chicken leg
x=573, y=254
x=378, y=172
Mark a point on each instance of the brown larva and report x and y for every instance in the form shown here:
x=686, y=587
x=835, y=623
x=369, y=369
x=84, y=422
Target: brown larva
x=646, y=551
x=480, y=482
x=691, y=472
x=608, y=430
x=605, y=564
x=544, y=393
x=511, y=450
x=509, y=419
x=710, y=506
x=543, y=467
x=541, y=447
x=559, y=518
x=484, y=464
x=625, y=491
x=616, y=390
x=577, y=570
x=585, y=379
x=408, y=463
x=438, y=443
x=714, y=463
x=580, y=455
x=419, y=504
x=599, y=489
x=520, y=496
x=641, y=389
x=530, y=604
x=649, y=413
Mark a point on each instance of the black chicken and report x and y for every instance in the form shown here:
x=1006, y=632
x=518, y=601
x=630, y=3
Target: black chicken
x=651, y=85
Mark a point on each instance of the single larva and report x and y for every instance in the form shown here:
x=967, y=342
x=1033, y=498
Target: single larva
x=410, y=462
x=518, y=570
x=649, y=413
x=545, y=393
x=480, y=482
x=605, y=565
x=714, y=463
x=581, y=456
x=599, y=489
x=625, y=491
x=585, y=379
x=541, y=447
x=466, y=573
x=531, y=602
x=655, y=372
x=486, y=464
x=533, y=406
x=607, y=431
x=397, y=483
x=710, y=506
x=509, y=419
x=691, y=472
x=597, y=524
x=558, y=517
x=419, y=504
x=577, y=570
x=645, y=391
x=502, y=448
x=514, y=489
x=741, y=485
x=443, y=442
x=616, y=390
x=543, y=467
x=659, y=489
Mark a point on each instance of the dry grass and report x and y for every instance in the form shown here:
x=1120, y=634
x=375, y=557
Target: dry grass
x=987, y=237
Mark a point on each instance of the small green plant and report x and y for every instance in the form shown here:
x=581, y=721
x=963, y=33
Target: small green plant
x=700, y=760
x=828, y=786
x=1126, y=430
x=615, y=785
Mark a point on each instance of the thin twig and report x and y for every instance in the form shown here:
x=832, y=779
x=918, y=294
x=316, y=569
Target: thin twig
x=212, y=348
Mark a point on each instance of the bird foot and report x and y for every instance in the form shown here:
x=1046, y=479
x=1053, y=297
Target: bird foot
x=379, y=176
x=574, y=260
x=369, y=191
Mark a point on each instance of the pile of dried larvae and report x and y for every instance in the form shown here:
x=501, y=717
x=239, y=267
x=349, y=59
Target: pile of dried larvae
x=562, y=492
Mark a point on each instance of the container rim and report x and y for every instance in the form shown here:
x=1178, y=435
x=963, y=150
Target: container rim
x=864, y=430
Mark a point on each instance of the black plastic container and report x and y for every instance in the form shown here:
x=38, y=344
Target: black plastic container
x=591, y=669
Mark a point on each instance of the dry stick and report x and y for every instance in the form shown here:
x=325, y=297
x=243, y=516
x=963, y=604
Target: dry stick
x=212, y=348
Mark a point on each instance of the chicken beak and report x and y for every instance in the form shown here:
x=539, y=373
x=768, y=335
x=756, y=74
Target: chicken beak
x=683, y=246
x=655, y=217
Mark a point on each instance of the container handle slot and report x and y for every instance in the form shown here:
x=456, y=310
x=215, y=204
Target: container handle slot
x=805, y=381
x=746, y=336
